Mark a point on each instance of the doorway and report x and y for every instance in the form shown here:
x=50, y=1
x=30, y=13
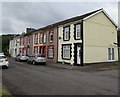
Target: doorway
x=78, y=54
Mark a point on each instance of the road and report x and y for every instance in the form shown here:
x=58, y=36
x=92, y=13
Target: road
x=27, y=79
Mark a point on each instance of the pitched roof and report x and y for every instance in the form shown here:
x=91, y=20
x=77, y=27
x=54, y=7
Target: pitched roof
x=82, y=17
x=77, y=18
x=70, y=20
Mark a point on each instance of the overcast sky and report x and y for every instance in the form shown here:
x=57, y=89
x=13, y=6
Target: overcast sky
x=17, y=16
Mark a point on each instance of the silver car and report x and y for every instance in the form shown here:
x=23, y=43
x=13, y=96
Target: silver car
x=4, y=63
x=21, y=57
x=37, y=58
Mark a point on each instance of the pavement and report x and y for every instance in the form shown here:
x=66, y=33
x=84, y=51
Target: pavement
x=27, y=79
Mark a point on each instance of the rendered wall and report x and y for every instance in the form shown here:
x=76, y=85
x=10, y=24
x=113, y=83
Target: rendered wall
x=99, y=33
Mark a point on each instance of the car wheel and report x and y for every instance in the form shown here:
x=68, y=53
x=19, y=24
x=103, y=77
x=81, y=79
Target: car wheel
x=19, y=60
x=44, y=63
x=27, y=61
x=33, y=62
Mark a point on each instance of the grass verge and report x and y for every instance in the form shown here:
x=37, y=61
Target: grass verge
x=5, y=91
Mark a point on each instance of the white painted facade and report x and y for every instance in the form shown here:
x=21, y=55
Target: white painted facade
x=14, y=46
x=99, y=34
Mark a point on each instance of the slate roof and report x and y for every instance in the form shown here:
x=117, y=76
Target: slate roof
x=70, y=20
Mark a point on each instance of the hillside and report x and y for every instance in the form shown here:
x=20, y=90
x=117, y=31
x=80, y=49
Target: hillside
x=5, y=42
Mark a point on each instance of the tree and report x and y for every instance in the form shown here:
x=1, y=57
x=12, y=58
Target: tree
x=5, y=43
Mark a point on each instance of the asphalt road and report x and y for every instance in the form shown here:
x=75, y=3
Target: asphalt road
x=27, y=79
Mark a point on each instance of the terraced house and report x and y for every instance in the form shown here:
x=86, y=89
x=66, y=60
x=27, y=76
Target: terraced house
x=45, y=42
x=26, y=41
x=85, y=39
x=89, y=38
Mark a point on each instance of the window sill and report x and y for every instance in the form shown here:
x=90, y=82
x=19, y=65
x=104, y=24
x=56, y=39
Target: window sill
x=66, y=58
x=50, y=58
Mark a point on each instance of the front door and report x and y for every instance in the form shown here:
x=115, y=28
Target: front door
x=78, y=54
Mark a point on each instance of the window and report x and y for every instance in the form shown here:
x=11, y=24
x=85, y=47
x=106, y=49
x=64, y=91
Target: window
x=78, y=31
x=40, y=50
x=24, y=40
x=50, y=51
x=36, y=38
x=66, y=51
x=66, y=33
x=41, y=37
x=110, y=53
x=20, y=41
x=36, y=50
x=51, y=36
x=28, y=40
x=45, y=37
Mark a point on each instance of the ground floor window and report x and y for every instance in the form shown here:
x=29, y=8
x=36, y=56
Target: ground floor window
x=66, y=51
x=36, y=50
x=110, y=53
x=50, y=51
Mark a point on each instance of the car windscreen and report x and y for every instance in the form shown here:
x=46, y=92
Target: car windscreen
x=40, y=55
x=2, y=57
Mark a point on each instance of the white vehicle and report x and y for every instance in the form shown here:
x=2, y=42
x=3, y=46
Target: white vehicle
x=4, y=63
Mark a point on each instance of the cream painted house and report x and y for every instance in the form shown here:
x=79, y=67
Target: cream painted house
x=14, y=46
x=90, y=38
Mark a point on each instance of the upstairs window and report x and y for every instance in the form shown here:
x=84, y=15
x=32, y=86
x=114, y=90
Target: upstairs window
x=28, y=40
x=36, y=38
x=66, y=33
x=44, y=38
x=25, y=41
x=51, y=36
x=41, y=37
x=20, y=41
x=77, y=31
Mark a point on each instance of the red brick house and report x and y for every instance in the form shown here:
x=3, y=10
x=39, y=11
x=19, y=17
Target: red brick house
x=45, y=42
x=26, y=42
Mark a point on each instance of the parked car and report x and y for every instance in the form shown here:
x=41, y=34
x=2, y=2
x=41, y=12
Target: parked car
x=21, y=57
x=4, y=63
x=37, y=58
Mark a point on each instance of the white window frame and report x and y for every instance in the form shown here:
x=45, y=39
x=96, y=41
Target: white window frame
x=41, y=37
x=78, y=31
x=36, y=38
x=111, y=54
x=66, y=33
x=51, y=52
x=44, y=37
x=35, y=50
x=51, y=34
x=28, y=40
x=66, y=51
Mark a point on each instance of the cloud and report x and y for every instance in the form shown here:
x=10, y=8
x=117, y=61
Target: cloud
x=16, y=16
